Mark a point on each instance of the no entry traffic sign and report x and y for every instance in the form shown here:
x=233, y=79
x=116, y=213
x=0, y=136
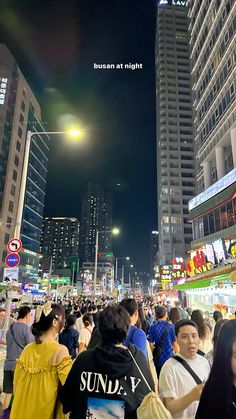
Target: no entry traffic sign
x=12, y=260
x=14, y=245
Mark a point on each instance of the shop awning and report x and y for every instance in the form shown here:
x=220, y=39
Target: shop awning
x=203, y=283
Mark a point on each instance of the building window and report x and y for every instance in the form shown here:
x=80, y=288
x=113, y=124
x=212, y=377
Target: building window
x=20, y=132
x=18, y=145
x=14, y=176
x=7, y=238
x=23, y=106
x=13, y=190
x=17, y=161
x=11, y=206
x=9, y=222
x=21, y=118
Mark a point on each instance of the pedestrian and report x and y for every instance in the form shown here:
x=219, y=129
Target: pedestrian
x=174, y=315
x=104, y=381
x=183, y=313
x=69, y=336
x=210, y=355
x=218, y=398
x=135, y=336
x=17, y=337
x=217, y=315
x=162, y=339
x=85, y=332
x=42, y=368
x=204, y=332
x=177, y=386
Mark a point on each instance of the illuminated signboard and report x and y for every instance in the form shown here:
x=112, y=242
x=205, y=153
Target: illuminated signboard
x=198, y=264
x=213, y=190
x=219, y=250
x=210, y=253
x=178, y=269
x=165, y=272
x=176, y=2
x=233, y=249
x=3, y=89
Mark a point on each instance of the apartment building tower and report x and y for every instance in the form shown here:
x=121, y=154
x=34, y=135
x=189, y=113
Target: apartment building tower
x=20, y=112
x=212, y=27
x=59, y=244
x=175, y=152
x=96, y=215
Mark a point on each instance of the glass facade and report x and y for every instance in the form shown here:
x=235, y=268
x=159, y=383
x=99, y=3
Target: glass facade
x=35, y=187
x=218, y=219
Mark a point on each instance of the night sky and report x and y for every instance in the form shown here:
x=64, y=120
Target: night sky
x=56, y=44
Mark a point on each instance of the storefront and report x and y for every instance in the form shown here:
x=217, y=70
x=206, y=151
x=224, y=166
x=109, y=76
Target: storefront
x=212, y=290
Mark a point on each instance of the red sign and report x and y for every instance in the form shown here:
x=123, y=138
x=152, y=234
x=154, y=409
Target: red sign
x=14, y=245
x=12, y=260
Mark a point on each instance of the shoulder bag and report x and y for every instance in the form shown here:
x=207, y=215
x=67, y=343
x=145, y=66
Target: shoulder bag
x=188, y=368
x=158, y=346
x=151, y=406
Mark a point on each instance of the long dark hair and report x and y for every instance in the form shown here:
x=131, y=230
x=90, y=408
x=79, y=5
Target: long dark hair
x=45, y=322
x=198, y=318
x=217, y=391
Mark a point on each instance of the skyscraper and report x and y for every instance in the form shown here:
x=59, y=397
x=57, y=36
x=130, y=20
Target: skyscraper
x=96, y=215
x=19, y=112
x=59, y=244
x=213, y=57
x=175, y=156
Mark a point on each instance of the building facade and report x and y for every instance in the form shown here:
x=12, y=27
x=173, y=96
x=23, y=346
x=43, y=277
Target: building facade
x=60, y=245
x=96, y=215
x=212, y=266
x=20, y=112
x=175, y=151
x=212, y=30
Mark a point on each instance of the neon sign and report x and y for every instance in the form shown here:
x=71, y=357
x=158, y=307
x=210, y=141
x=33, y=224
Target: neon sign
x=198, y=264
x=3, y=89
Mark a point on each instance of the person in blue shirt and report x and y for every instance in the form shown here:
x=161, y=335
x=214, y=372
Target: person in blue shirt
x=135, y=336
x=162, y=334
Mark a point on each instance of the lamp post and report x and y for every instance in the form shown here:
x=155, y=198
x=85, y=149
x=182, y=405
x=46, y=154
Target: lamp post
x=117, y=259
x=114, y=231
x=29, y=136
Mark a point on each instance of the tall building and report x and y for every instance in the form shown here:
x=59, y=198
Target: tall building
x=213, y=57
x=20, y=112
x=96, y=215
x=59, y=245
x=175, y=151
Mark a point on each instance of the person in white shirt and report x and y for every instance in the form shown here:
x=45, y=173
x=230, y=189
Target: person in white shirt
x=177, y=387
x=85, y=332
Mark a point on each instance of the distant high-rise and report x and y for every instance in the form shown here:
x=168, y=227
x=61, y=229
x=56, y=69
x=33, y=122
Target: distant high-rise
x=96, y=215
x=59, y=243
x=175, y=156
x=20, y=112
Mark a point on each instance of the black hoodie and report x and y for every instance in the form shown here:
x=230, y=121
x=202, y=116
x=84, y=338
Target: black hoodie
x=105, y=380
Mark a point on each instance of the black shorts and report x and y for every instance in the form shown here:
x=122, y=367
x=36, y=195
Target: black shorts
x=8, y=382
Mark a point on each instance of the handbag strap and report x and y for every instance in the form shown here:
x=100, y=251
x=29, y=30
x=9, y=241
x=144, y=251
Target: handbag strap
x=188, y=368
x=13, y=334
x=140, y=371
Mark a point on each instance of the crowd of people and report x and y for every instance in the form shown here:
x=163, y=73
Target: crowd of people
x=100, y=360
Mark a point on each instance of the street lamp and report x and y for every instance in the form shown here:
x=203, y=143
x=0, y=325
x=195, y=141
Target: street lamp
x=73, y=133
x=115, y=232
x=117, y=259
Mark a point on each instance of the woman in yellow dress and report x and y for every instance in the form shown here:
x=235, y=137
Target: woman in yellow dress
x=41, y=369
